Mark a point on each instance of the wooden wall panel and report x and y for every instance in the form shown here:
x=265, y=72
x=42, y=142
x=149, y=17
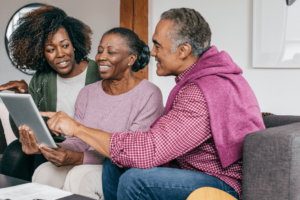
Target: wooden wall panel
x=134, y=16
x=126, y=14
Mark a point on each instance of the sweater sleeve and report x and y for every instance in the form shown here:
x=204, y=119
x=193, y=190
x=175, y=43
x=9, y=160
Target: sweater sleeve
x=150, y=111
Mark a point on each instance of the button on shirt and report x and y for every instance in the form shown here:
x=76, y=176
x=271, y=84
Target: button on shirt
x=181, y=139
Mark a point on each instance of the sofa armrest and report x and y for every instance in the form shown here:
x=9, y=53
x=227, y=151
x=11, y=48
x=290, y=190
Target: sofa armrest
x=271, y=164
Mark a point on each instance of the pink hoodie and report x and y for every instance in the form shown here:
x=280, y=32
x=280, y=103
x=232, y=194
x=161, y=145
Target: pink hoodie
x=233, y=109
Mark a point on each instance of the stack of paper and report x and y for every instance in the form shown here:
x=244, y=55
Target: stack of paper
x=31, y=191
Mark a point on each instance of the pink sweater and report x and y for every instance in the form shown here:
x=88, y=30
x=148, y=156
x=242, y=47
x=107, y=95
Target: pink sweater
x=128, y=112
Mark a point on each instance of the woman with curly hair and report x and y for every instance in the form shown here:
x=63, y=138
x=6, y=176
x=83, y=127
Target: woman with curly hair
x=56, y=45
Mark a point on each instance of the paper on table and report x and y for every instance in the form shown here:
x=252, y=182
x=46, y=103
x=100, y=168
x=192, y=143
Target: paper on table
x=32, y=191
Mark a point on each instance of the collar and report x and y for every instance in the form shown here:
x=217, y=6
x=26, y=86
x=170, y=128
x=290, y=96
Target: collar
x=180, y=76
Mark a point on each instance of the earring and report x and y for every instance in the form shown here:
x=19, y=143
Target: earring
x=74, y=49
x=128, y=64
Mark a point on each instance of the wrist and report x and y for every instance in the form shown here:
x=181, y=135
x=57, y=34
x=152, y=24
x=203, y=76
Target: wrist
x=80, y=158
x=78, y=130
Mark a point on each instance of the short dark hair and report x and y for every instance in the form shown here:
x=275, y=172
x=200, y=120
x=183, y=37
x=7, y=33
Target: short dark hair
x=135, y=46
x=188, y=27
x=27, y=43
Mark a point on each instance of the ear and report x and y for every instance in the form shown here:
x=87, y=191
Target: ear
x=132, y=58
x=184, y=50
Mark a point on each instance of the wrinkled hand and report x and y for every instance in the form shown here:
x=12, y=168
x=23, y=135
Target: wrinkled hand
x=15, y=86
x=60, y=122
x=28, y=141
x=61, y=156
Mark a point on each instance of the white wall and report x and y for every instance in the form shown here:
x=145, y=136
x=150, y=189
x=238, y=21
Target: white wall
x=100, y=15
x=277, y=90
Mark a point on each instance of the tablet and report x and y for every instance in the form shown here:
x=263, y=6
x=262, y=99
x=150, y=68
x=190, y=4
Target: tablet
x=23, y=110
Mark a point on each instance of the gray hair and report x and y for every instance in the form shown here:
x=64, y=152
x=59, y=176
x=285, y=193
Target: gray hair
x=188, y=27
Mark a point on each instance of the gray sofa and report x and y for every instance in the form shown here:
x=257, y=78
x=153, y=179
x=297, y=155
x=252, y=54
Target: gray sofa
x=271, y=160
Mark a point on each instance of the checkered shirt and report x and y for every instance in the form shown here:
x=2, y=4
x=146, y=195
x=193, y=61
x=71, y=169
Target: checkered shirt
x=183, y=136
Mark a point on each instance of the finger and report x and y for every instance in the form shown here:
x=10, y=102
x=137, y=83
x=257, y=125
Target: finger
x=47, y=114
x=54, y=124
x=32, y=138
x=9, y=85
x=50, y=150
x=21, y=134
x=27, y=137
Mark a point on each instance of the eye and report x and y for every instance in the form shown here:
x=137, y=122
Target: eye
x=111, y=52
x=99, y=52
x=50, y=50
x=65, y=45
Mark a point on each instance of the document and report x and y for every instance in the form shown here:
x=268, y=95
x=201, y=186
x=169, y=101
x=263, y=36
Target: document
x=30, y=191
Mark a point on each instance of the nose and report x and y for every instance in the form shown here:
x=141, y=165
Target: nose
x=60, y=53
x=100, y=56
x=153, y=52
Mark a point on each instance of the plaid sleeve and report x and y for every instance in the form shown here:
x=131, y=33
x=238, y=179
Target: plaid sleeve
x=185, y=127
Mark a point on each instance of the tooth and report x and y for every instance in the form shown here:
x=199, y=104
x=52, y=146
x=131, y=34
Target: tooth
x=104, y=67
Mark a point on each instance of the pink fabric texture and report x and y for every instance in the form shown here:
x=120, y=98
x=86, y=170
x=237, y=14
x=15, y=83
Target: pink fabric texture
x=128, y=112
x=233, y=108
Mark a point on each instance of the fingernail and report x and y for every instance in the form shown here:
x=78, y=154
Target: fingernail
x=20, y=127
x=23, y=127
x=41, y=145
x=26, y=129
x=30, y=132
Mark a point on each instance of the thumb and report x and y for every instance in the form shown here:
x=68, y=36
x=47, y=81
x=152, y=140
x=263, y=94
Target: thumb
x=47, y=114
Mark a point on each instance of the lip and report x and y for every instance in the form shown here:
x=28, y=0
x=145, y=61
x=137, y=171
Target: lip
x=63, y=63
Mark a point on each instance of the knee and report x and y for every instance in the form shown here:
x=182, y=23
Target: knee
x=132, y=182
x=85, y=180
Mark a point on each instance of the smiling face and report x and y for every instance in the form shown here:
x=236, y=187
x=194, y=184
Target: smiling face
x=167, y=61
x=59, y=53
x=112, y=58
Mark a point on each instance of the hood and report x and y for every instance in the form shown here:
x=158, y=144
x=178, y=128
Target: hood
x=213, y=62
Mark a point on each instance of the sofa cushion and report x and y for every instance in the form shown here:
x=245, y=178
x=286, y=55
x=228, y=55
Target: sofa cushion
x=271, y=164
x=279, y=120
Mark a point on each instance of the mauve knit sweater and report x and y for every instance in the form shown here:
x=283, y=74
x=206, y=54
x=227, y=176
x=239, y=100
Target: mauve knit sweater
x=128, y=112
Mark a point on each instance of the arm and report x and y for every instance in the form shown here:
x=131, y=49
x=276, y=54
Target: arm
x=185, y=127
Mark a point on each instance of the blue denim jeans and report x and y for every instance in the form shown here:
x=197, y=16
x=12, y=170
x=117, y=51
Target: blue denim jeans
x=155, y=183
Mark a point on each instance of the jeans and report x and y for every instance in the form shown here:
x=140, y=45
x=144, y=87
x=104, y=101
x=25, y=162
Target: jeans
x=155, y=183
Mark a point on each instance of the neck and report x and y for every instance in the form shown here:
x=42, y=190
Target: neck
x=77, y=69
x=123, y=85
x=186, y=63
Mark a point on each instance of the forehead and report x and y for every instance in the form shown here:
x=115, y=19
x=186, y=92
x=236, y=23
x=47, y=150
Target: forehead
x=161, y=30
x=60, y=35
x=113, y=40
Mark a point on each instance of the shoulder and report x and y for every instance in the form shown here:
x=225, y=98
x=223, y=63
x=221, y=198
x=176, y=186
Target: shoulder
x=190, y=92
x=40, y=77
x=90, y=88
x=148, y=88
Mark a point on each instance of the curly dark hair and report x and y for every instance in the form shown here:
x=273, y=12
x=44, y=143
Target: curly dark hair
x=27, y=43
x=134, y=45
x=188, y=27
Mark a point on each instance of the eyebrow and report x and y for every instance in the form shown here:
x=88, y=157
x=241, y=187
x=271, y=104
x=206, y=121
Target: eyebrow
x=155, y=42
x=60, y=42
x=108, y=47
